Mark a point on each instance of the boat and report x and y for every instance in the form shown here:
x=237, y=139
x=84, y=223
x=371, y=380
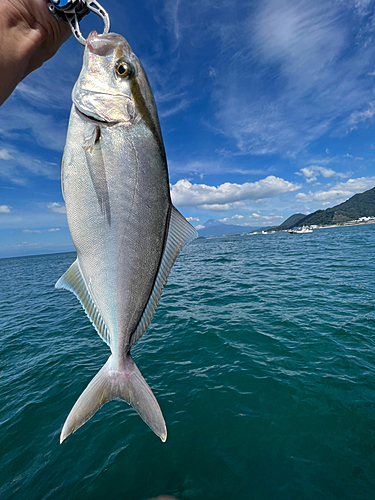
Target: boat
x=300, y=230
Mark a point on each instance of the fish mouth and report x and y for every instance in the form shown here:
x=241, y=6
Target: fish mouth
x=94, y=118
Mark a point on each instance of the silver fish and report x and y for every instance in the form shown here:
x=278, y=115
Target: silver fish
x=126, y=231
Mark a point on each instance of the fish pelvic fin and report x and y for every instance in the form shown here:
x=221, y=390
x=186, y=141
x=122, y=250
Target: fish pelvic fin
x=108, y=384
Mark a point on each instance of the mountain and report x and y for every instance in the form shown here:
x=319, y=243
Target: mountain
x=215, y=228
x=292, y=221
x=359, y=205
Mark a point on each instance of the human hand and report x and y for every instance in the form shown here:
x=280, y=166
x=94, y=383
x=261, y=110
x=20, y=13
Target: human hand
x=29, y=36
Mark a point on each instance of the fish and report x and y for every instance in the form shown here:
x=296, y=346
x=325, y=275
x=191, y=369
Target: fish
x=124, y=227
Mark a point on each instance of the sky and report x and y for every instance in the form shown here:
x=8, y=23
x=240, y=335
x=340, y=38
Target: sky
x=267, y=109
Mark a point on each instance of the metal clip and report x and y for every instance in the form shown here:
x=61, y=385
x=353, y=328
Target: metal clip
x=72, y=11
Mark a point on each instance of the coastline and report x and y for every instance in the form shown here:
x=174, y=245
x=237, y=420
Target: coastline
x=273, y=231
x=348, y=223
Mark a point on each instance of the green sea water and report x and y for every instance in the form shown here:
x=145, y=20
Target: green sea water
x=261, y=355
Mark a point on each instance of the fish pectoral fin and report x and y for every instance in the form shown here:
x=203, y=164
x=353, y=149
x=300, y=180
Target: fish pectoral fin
x=109, y=384
x=91, y=139
x=73, y=281
x=180, y=233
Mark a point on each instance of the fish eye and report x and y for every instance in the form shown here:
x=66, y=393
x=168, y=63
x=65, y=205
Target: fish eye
x=124, y=69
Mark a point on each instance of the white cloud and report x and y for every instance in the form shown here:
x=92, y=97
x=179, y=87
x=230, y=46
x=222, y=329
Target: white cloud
x=362, y=6
x=33, y=217
x=255, y=219
x=5, y=209
x=56, y=207
x=36, y=91
x=361, y=116
x=28, y=124
x=17, y=166
x=180, y=106
x=312, y=172
x=52, y=230
x=5, y=155
x=199, y=227
x=217, y=207
x=215, y=166
x=184, y=193
x=192, y=219
x=316, y=84
x=338, y=193
x=234, y=218
x=171, y=13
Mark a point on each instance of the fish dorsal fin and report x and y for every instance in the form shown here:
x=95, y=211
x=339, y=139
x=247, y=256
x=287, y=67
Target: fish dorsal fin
x=73, y=281
x=180, y=233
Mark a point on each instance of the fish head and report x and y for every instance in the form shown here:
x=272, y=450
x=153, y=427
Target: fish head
x=113, y=86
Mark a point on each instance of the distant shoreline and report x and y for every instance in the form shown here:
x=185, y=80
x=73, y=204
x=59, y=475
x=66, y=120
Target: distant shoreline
x=340, y=224
x=273, y=231
x=348, y=223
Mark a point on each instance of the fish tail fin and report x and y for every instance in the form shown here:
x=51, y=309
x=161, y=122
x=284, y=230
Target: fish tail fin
x=108, y=384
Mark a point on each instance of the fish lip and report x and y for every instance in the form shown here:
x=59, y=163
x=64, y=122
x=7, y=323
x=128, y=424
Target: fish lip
x=94, y=118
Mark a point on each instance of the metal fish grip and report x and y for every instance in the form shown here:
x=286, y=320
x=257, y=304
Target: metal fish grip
x=72, y=11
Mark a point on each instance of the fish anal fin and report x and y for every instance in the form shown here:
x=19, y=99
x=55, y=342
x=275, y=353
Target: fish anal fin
x=73, y=281
x=180, y=233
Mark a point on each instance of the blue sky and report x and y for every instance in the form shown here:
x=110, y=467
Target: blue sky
x=267, y=109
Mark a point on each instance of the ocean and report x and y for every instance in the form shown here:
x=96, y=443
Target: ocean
x=261, y=355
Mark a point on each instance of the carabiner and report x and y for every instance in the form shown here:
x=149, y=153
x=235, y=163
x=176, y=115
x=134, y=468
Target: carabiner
x=72, y=11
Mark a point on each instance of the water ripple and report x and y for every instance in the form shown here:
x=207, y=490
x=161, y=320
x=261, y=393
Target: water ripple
x=261, y=355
